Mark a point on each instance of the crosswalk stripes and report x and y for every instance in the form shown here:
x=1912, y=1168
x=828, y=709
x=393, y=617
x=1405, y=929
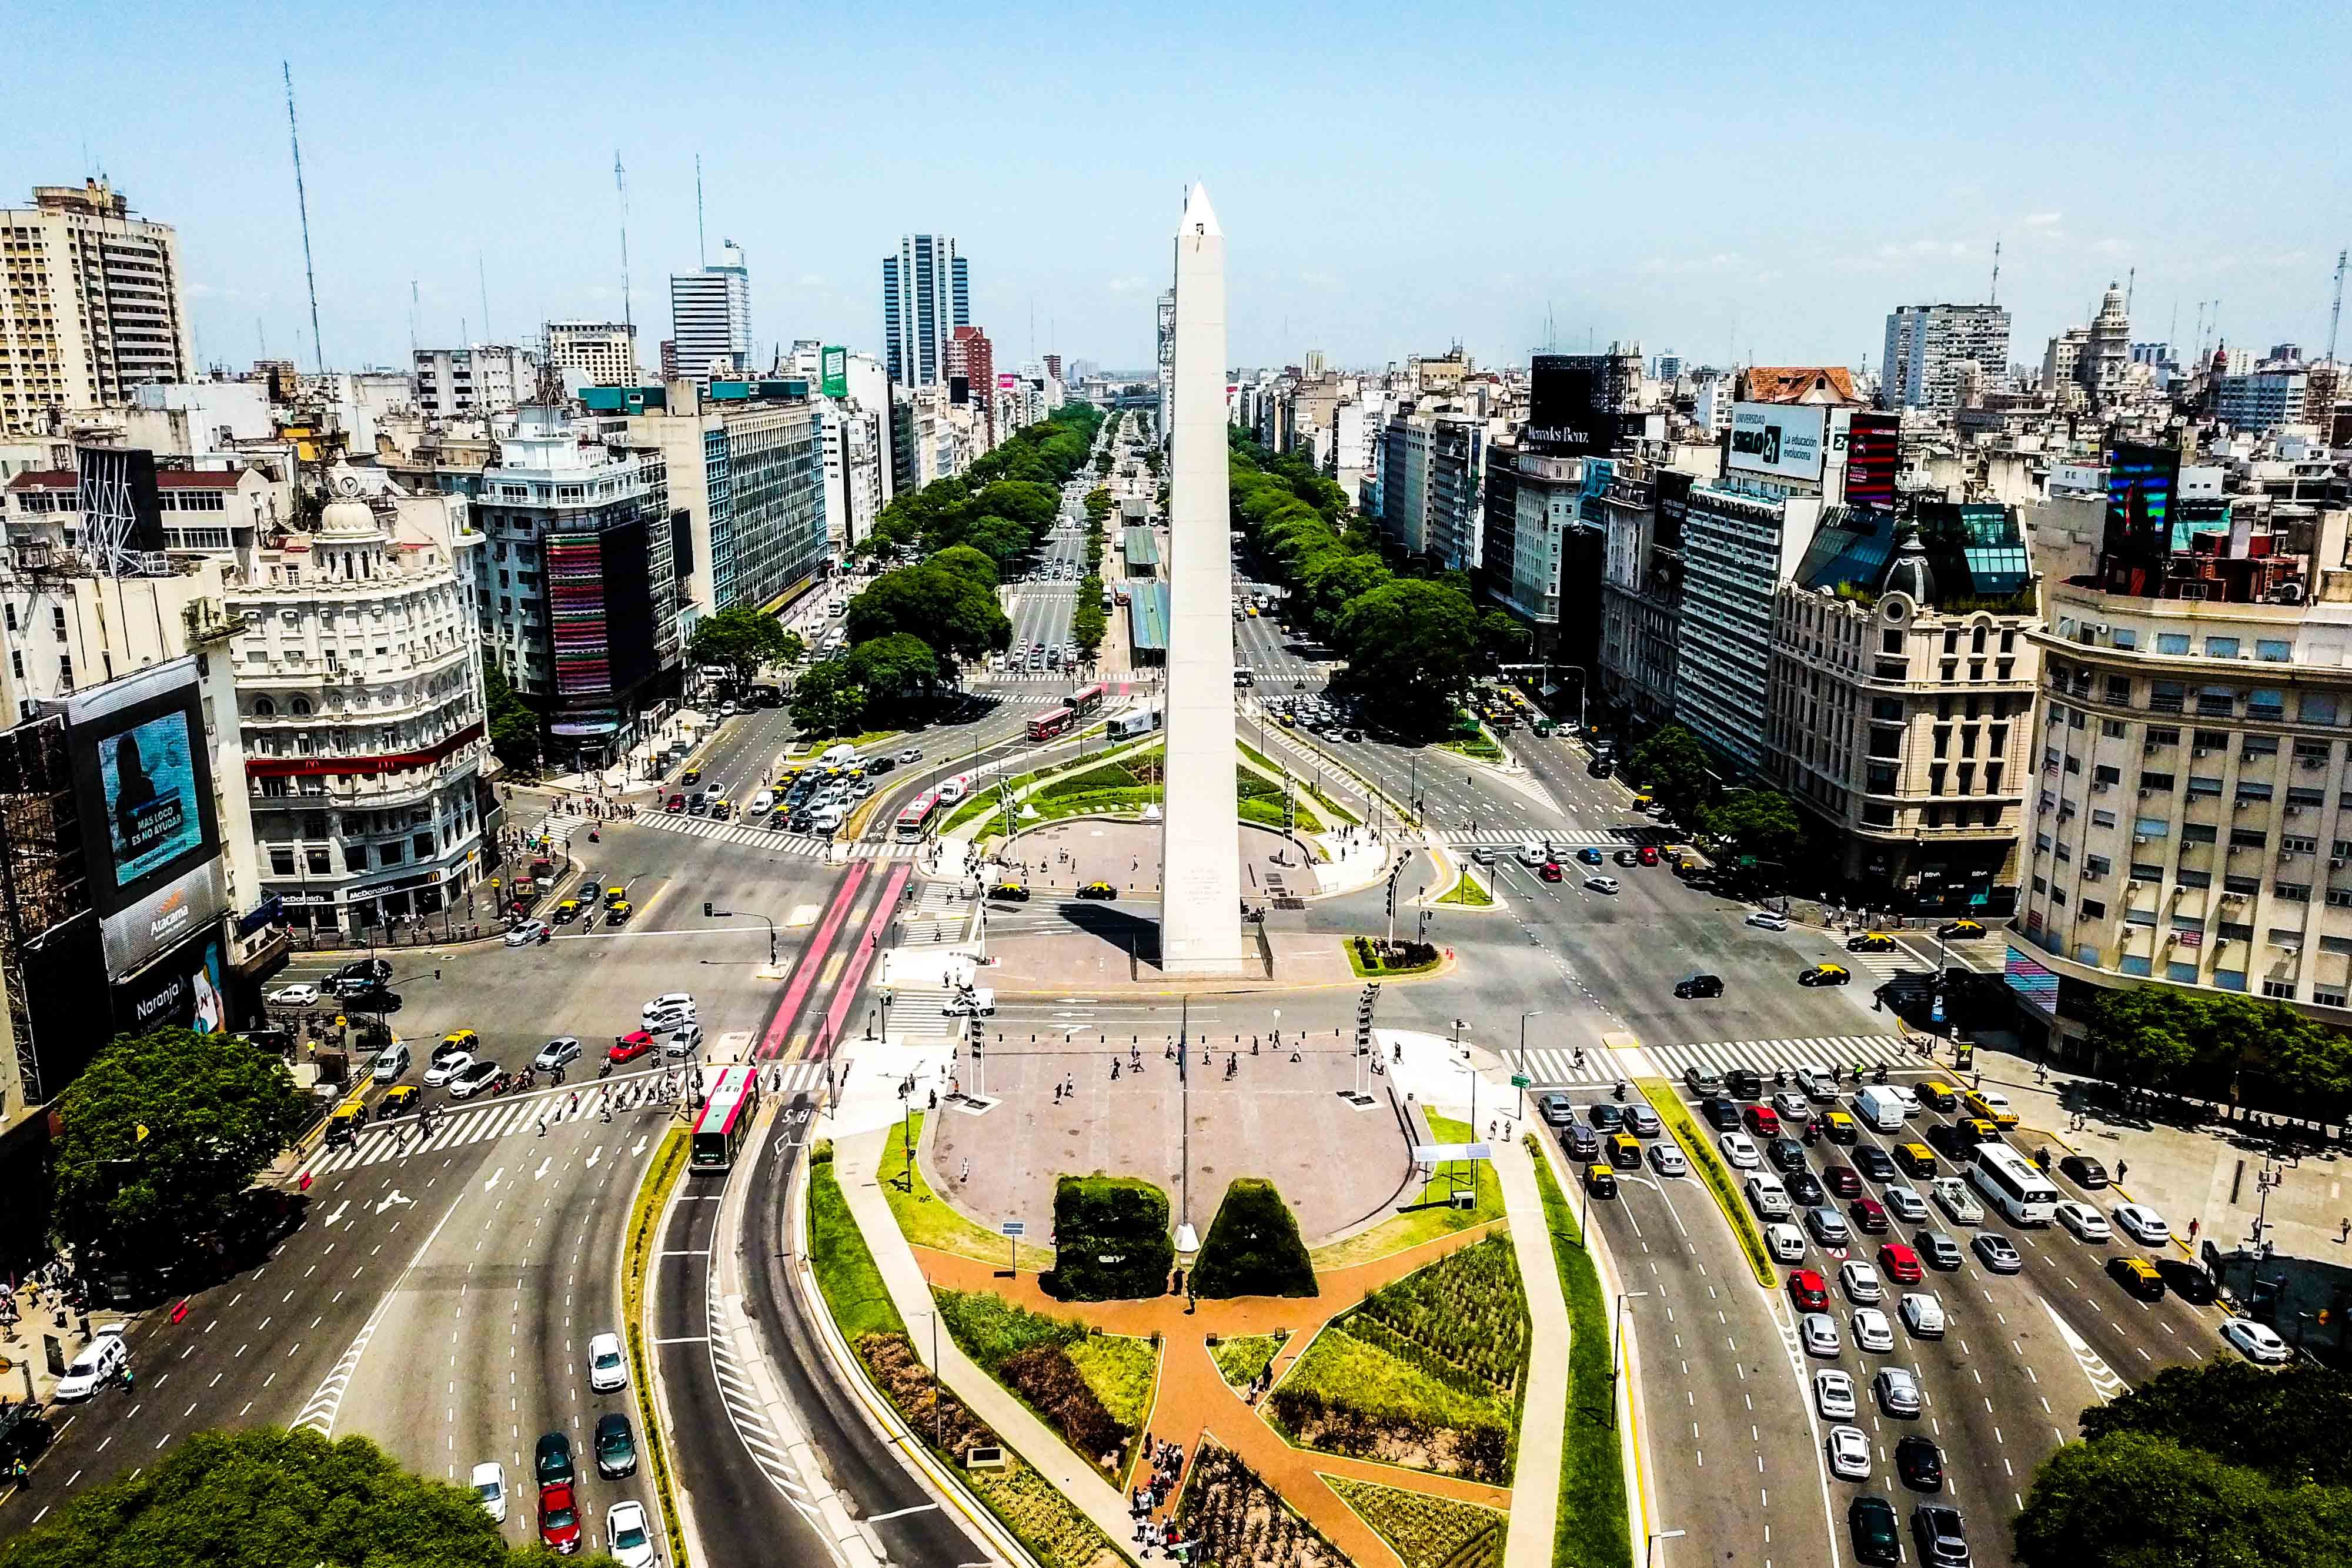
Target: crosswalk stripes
x=917, y=1014
x=1505, y=838
x=1885, y=966
x=753, y=834
x=1554, y=1067
x=939, y=915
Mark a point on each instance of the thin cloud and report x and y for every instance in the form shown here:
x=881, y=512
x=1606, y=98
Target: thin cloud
x=2043, y=219
x=1127, y=285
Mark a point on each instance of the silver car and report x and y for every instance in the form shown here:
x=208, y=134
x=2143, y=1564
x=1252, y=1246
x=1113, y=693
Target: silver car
x=1818, y=1332
x=1898, y=1391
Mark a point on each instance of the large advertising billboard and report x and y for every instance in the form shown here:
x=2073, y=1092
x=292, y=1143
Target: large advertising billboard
x=1779, y=440
x=142, y=776
x=1565, y=417
x=120, y=503
x=833, y=371
x=2141, y=480
x=185, y=988
x=1873, y=450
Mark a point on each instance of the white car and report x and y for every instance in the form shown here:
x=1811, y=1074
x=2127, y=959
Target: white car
x=2083, y=1220
x=1953, y=1197
x=1923, y=1314
x=667, y=1012
x=302, y=996
x=1898, y=1391
x=608, y=1370
x=1818, y=1332
x=1791, y=1106
x=2142, y=1224
x=1834, y=1394
x=1667, y=1160
x=1872, y=1330
x=969, y=1001
x=1859, y=1281
x=524, y=935
x=1765, y=919
x=2254, y=1340
x=1740, y=1150
x=1849, y=1453
x=102, y=1361
x=627, y=1538
x=912, y=754
x=1903, y=1203
x=1600, y=884
x=1785, y=1242
x=491, y=1489
x=448, y=1067
x=1769, y=1197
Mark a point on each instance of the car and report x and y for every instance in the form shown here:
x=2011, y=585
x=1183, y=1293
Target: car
x=1601, y=1181
x=1902, y=1264
x=2084, y=1220
x=1869, y=1216
x=1721, y=1112
x=2255, y=1342
x=1550, y=871
x=2084, y=1172
x=1870, y=942
x=1920, y=1463
x=1702, y=1080
x=1818, y=1332
x=608, y=1370
x=1828, y=1225
x=1936, y=1249
x=1999, y=1254
x=1870, y=1524
x=1766, y=920
x=2186, y=1280
x=615, y=1445
x=1875, y=1162
x=1842, y=1180
x=1784, y=1241
x=1699, y=984
x=1849, y=1453
x=1808, y=1291
x=525, y=933
x=1816, y=1087
x=1763, y=1122
x=1859, y=1281
x=1649, y=853
x=1767, y=1197
x=1824, y=975
x=1805, y=1189
x=1482, y=855
x=1834, y=1393
x=1557, y=1110
x=1642, y=1122
x=1896, y=1391
x=1903, y=1203
x=561, y=1051
x=1740, y=1151
x=1600, y=884
x=683, y=1041
x=1940, y=1536
x=1589, y=855
x=630, y=1047
x=103, y=1360
x=2139, y=1276
x=1952, y=1196
x=1871, y=1332
x=489, y=1483
x=442, y=1068
x=1580, y=1141
x=304, y=994
x=473, y=1079
x=1923, y=1314
x=1743, y=1083
x=1608, y=1116
x=1785, y=1154
x=558, y=1518
x=1667, y=1160
x=626, y=1537
x=367, y=971
x=1792, y=1106
x=667, y=1011
x=912, y=754
x=1098, y=890
x=2142, y=1224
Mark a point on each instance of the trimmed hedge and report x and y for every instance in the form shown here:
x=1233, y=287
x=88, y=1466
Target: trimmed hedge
x=1253, y=1247
x=1111, y=1242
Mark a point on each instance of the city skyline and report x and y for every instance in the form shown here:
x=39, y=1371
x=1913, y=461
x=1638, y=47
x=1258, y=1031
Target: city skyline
x=1399, y=240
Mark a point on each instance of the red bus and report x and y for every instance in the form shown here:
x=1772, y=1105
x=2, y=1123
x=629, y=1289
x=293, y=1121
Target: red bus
x=1086, y=699
x=915, y=817
x=1051, y=723
x=727, y=1117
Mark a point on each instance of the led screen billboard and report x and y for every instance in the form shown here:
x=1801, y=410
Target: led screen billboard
x=185, y=989
x=1779, y=440
x=833, y=371
x=2141, y=480
x=1565, y=413
x=1873, y=449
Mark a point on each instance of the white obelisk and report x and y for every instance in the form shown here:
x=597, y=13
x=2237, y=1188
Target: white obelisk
x=1200, y=854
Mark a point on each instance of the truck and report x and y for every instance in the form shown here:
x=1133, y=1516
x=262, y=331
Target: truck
x=1881, y=1107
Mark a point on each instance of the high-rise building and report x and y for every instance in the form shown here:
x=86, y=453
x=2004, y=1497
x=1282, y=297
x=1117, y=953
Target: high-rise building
x=1928, y=344
x=463, y=384
x=2263, y=398
x=710, y=317
x=92, y=303
x=926, y=296
x=746, y=481
x=604, y=353
x=970, y=355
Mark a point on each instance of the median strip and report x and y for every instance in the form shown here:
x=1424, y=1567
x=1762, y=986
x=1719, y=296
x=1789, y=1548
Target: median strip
x=1592, y=1528
x=1712, y=1170
x=645, y=1216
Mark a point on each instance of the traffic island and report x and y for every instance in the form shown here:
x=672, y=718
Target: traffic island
x=1591, y=1528
x=645, y=1223
x=1714, y=1172
x=1375, y=959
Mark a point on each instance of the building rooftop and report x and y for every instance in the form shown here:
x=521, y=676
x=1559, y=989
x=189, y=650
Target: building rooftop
x=166, y=480
x=1147, y=615
x=1139, y=547
x=1800, y=384
x=1977, y=554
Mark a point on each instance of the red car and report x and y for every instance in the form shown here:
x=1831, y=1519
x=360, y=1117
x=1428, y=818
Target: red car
x=1869, y=1216
x=1649, y=854
x=1763, y=1121
x=558, y=1518
x=1900, y=1262
x=1842, y=1180
x=629, y=1047
x=1551, y=872
x=1808, y=1291
x=677, y=803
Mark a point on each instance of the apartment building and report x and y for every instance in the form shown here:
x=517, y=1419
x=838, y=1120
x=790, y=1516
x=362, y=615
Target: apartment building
x=473, y=382
x=1932, y=351
x=600, y=353
x=745, y=463
x=92, y=304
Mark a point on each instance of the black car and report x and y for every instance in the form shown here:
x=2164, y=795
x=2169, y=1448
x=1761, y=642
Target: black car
x=1702, y=1082
x=1607, y=1117
x=616, y=1444
x=1940, y=1535
x=1722, y=1114
x=367, y=971
x=1744, y=1083
x=1785, y=1154
x=2084, y=1171
x=1580, y=1141
x=1920, y=1463
x=2188, y=1281
x=553, y=1464
x=1699, y=985
x=1870, y=1522
x=1874, y=1163
x=1805, y=1189
x=880, y=762
x=800, y=823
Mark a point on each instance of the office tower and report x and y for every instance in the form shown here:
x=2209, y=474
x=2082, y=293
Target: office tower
x=92, y=303
x=489, y=378
x=926, y=296
x=604, y=353
x=710, y=317
x=1927, y=345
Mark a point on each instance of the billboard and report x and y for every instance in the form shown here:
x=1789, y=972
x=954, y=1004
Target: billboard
x=2140, y=484
x=959, y=390
x=1779, y=440
x=833, y=371
x=1565, y=413
x=142, y=779
x=1873, y=451
x=185, y=988
x=121, y=508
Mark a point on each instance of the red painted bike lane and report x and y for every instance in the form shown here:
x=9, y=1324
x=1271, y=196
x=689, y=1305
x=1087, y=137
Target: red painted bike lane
x=811, y=962
x=861, y=959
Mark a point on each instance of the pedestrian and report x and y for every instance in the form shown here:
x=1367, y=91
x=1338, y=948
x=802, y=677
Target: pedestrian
x=2123, y=1168
x=1114, y=1069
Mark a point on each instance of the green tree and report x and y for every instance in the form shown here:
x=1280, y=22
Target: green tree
x=161, y=1133
x=1087, y=623
x=2146, y=1034
x=513, y=728
x=1330, y=582
x=828, y=699
x=894, y=672
x=2139, y=1501
x=1414, y=644
x=273, y=1499
x=1674, y=767
x=1761, y=824
x=2288, y=1423
x=968, y=562
x=744, y=641
x=955, y=613
x=1503, y=637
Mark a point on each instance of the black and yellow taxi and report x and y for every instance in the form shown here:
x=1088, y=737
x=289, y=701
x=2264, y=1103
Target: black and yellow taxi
x=1840, y=1127
x=1601, y=1181
x=1916, y=1159
x=1825, y=975
x=1870, y=942
x=1010, y=893
x=618, y=913
x=2139, y=1276
x=692, y=776
x=1625, y=1151
x=616, y=895
x=398, y=1099
x=721, y=809
x=1960, y=930
x=1936, y=1094
x=1097, y=890
x=1975, y=1130
x=344, y=1124
x=458, y=1039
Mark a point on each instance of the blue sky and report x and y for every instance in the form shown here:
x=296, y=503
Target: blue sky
x=1748, y=180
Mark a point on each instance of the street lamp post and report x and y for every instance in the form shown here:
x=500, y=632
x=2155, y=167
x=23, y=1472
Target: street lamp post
x=1523, y=1057
x=711, y=913
x=1617, y=1338
x=1655, y=1537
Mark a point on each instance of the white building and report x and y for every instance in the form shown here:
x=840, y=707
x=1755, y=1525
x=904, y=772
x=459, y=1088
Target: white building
x=2263, y=399
x=471, y=383
x=1737, y=550
x=1716, y=393
x=1927, y=347
x=926, y=296
x=710, y=317
x=594, y=353
x=92, y=304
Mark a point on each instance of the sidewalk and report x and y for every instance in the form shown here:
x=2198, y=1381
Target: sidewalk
x=1543, y=1417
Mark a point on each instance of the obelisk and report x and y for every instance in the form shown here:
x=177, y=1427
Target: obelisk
x=1199, y=853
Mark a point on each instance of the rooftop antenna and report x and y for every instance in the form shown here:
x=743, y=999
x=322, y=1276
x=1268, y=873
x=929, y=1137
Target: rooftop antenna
x=302, y=202
x=621, y=184
x=411, y=320
x=2337, y=314
x=482, y=276
x=2131, y=287
x=701, y=258
x=1994, y=297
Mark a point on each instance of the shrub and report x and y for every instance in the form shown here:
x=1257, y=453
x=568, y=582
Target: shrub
x=1253, y=1247
x=1111, y=1242
x=1233, y=1517
x=1046, y=1377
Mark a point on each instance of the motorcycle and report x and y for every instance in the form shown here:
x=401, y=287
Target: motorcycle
x=593, y=837
x=1880, y=1075
x=1619, y=1088
x=1780, y=1079
x=500, y=1084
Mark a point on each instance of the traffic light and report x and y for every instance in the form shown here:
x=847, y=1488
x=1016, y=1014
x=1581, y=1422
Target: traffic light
x=706, y=911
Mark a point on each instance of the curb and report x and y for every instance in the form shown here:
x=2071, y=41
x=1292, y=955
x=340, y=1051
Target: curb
x=677, y=1522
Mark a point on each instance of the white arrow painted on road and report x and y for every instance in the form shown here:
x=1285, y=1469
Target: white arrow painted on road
x=594, y=1155
x=339, y=1212
x=392, y=1197
x=638, y=1150
x=494, y=1178
x=542, y=1167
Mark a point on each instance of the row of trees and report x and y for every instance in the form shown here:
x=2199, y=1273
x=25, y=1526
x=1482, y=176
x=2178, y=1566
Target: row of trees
x=1760, y=824
x=2167, y=1038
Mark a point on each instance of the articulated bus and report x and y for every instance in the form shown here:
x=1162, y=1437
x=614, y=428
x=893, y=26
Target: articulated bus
x=2011, y=1184
x=1086, y=699
x=915, y=818
x=1049, y=724
x=727, y=1117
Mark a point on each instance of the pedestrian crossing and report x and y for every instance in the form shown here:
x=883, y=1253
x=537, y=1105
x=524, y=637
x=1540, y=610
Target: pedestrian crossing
x=1554, y=1067
x=917, y=1017
x=940, y=914
x=398, y=1139
x=754, y=834
x=1556, y=838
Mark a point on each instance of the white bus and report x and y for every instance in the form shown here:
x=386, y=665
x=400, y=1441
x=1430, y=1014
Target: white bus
x=2011, y=1184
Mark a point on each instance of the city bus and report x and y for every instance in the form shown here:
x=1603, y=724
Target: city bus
x=1086, y=699
x=2011, y=1184
x=726, y=1118
x=915, y=818
x=1049, y=724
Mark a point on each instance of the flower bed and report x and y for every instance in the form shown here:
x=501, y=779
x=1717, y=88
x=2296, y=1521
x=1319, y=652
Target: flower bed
x=1236, y=1521
x=1036, y=1356
x=1426, y=1531
x=1462, y=1320
x=1244, y=1357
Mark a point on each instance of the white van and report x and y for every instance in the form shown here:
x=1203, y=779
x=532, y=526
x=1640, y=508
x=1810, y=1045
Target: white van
x=951, y=790
x=1533, y=853
x=1883, y=1108
x=760, y=803
x=834, y=756
x=391, y=1062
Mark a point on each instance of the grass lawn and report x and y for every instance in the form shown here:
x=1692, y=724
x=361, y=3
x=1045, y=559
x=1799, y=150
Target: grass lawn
x=1376, y=971
x=1480, y=747
x=804, y=749
x=1123, y=1371
x=1346, y=1371
x=992, y=1331
x=1243, y=1357
x=1430, y=1218
x=1093, y=1389
x=1591, y=1531
x=927, y=1221
x=1426, y=1531
x=1469, y=891
x=854, y=1291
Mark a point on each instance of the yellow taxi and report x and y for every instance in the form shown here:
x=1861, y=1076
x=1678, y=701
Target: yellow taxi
x=1625, y=1151
x=1643, y=802
x=1838, y=1127
x=720, y=810
x=2139, y=1276
x=1960, y=930
x=1825, y=975
x=1916, y=1159
x=618, y=914
x=1098, y=890
x=566, y=912
x=459, y=1040
x=400, y=1097
x=1601, y=1181
x=614, y=895
x=1870, y=942
x=1973, y=1130
x=345, y=1125
x=692, y=775
x=1936, y=1096
x=1009, y=892
x=1991, y=1108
